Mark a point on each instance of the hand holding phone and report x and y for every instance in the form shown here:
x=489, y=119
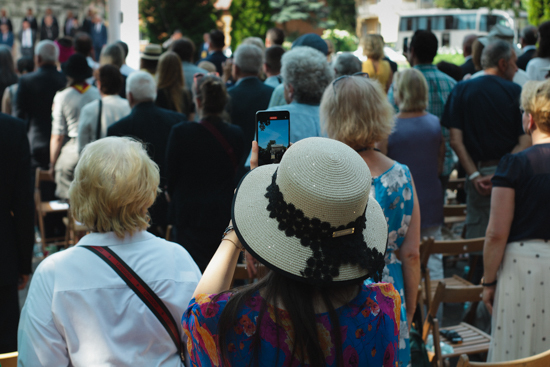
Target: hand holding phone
x=272, y=135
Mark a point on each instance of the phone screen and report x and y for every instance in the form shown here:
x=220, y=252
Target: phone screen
x=272, y=135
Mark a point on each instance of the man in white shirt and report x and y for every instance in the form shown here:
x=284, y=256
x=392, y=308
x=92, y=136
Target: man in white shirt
x=27, y=38
x=79, y=311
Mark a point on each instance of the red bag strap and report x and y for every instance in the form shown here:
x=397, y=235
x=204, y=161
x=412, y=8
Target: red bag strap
x=143, y=291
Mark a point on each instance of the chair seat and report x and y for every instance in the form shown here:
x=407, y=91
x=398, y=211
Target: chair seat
x=474, y=340
x=454, y=281
x=453, y=220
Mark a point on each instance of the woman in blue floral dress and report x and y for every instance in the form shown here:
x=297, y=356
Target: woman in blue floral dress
x=354, y=110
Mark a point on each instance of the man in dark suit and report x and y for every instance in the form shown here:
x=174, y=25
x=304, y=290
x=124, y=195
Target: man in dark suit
x=34, y=101
x=151, y=125
x=27, y=37
x=468, y=67
x=249, y=94
x=5, y=20
x=99, y=36
x=49, y=31
x=49, y=13
x=16, y=225
x=71, y=25
x=31, y=19
x=528, y=39
x=215, y=49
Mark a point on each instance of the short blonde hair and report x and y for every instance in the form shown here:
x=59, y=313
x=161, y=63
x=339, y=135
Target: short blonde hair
x=356, y=111
x=535, y=100
x=373, y=46
x=115, y=183
x=411, y=90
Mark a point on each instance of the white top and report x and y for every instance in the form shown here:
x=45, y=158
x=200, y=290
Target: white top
x=113, y=109
x=79, y=312
x=66, y=109
x=520, y=77
x=535, y=67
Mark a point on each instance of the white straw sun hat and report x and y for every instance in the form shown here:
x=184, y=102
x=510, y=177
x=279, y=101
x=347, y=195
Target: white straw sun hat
x=310, y=217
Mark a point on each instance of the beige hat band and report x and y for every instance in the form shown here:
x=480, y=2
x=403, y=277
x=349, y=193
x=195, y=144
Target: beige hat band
x=331, y=246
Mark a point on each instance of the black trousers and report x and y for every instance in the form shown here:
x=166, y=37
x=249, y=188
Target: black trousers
x=9, y=318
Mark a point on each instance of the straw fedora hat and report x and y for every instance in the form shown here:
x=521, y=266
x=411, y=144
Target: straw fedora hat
x=311, y=217
x=152, y=52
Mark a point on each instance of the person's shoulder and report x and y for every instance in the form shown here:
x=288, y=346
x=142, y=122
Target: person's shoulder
x=90, y=106
x=384, y=289
x=441, y=76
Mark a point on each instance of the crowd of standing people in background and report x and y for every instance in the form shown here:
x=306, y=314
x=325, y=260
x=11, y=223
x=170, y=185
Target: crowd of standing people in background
x=74, y=102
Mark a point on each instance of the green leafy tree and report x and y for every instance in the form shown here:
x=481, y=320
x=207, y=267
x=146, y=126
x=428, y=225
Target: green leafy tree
x=474, y=4
x=342, y=12
x=251, y=18
x=160, y=18
x=538, y=11
x=310, y=11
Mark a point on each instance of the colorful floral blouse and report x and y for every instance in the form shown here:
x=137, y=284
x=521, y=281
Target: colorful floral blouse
x=369, y=325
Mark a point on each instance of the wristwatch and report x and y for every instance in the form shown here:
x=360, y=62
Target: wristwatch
x=488, y=284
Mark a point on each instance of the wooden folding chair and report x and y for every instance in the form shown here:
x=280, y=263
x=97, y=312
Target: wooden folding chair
x=454, y=213
x=44, y=208
x=8, y=359
x=73, y=229
x=446, y=248
x=474, y=340
x=539, y=360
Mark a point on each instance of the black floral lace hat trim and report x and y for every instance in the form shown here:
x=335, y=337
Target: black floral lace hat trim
x=332, y=247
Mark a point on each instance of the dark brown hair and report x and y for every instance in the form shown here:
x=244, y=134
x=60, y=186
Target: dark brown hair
x=297, y=298
x=210, y=90
x=110, y=79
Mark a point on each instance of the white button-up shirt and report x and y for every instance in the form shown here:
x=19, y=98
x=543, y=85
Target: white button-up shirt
x=79, y=312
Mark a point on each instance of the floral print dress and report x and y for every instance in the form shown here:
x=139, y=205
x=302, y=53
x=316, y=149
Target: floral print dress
x=369, y=326
x=394, y=192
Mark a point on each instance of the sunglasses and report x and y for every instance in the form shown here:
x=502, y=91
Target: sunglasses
x=360, y=73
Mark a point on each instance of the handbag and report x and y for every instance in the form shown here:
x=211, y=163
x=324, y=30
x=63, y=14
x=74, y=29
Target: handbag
x=143, y=291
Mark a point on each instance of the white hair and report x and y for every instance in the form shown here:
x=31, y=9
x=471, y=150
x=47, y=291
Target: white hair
x=249, y=58
x=48, y=51
x=142, y=86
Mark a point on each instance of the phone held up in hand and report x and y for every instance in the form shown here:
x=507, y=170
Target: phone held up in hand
x=272, y=135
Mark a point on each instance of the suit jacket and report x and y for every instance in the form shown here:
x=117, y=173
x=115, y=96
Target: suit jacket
x=468, y=67
x=33, y=22
x=7, y=21
x=16, y=201
x=8, y=42
x=71, y=32
x=256, y=96
x=87, y=25
x=50, y=33
x=151, y=125
x=99, y=38
x=33, y=37
x=34, y=104
x=525, y=58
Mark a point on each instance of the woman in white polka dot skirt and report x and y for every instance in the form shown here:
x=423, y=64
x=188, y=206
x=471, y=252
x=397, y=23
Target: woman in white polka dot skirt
x=516, y=276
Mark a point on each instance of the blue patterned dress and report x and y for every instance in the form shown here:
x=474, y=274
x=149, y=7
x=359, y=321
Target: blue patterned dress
x=394, y=192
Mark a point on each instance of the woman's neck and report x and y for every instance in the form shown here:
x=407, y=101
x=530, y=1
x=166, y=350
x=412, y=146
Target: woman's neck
x=539, y=137
x=410, y=114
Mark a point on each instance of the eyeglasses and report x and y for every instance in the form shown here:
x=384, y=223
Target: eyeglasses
x=360, y=73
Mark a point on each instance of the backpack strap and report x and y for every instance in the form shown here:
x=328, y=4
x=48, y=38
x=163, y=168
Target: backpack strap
x=143, y=291
x=98, y=130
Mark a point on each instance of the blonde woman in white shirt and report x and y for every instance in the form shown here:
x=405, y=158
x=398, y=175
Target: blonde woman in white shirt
x=111, y=106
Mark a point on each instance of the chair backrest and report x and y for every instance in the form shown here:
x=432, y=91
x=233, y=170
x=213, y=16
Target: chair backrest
x=444, y=294
x=539, y=360
x=456, y=183
x=457, y=247
x=9, y=359
x=455, y=210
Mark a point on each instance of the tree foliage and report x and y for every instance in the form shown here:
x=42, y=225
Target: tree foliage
x=538, y=11
x=251, y=18
x=311, y=11
x=161, y=17
x=342, y=12
x=474, y=4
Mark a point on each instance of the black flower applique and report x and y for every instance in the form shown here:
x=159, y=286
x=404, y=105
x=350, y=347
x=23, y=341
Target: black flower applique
x=329, y=253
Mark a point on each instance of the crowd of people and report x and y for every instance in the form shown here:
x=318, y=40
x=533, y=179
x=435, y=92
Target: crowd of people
x=337, y=224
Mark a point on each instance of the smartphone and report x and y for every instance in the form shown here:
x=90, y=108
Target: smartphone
x=272, y=135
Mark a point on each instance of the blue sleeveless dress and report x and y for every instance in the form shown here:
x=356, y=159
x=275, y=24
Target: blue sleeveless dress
x=394, y=192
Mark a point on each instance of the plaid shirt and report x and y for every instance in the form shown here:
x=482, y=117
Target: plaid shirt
x=440, y=86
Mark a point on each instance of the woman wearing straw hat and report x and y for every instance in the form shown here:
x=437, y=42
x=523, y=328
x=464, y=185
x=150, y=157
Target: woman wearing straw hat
x=355, y=111
x=311, y=221
x=516, y=254
x=66, y=113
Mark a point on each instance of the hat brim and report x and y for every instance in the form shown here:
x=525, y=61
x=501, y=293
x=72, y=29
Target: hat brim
x=78, y=76
x=260, y=235
x=150, y=57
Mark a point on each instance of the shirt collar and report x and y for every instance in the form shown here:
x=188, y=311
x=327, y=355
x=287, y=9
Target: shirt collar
x=425, y=67
x=111, y=239
x=530, y=47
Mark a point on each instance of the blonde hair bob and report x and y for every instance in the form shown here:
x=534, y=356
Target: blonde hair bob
x=535, y=100
x=115, y=182
x=373, y=46
x=355, y=111
x=411, y=90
